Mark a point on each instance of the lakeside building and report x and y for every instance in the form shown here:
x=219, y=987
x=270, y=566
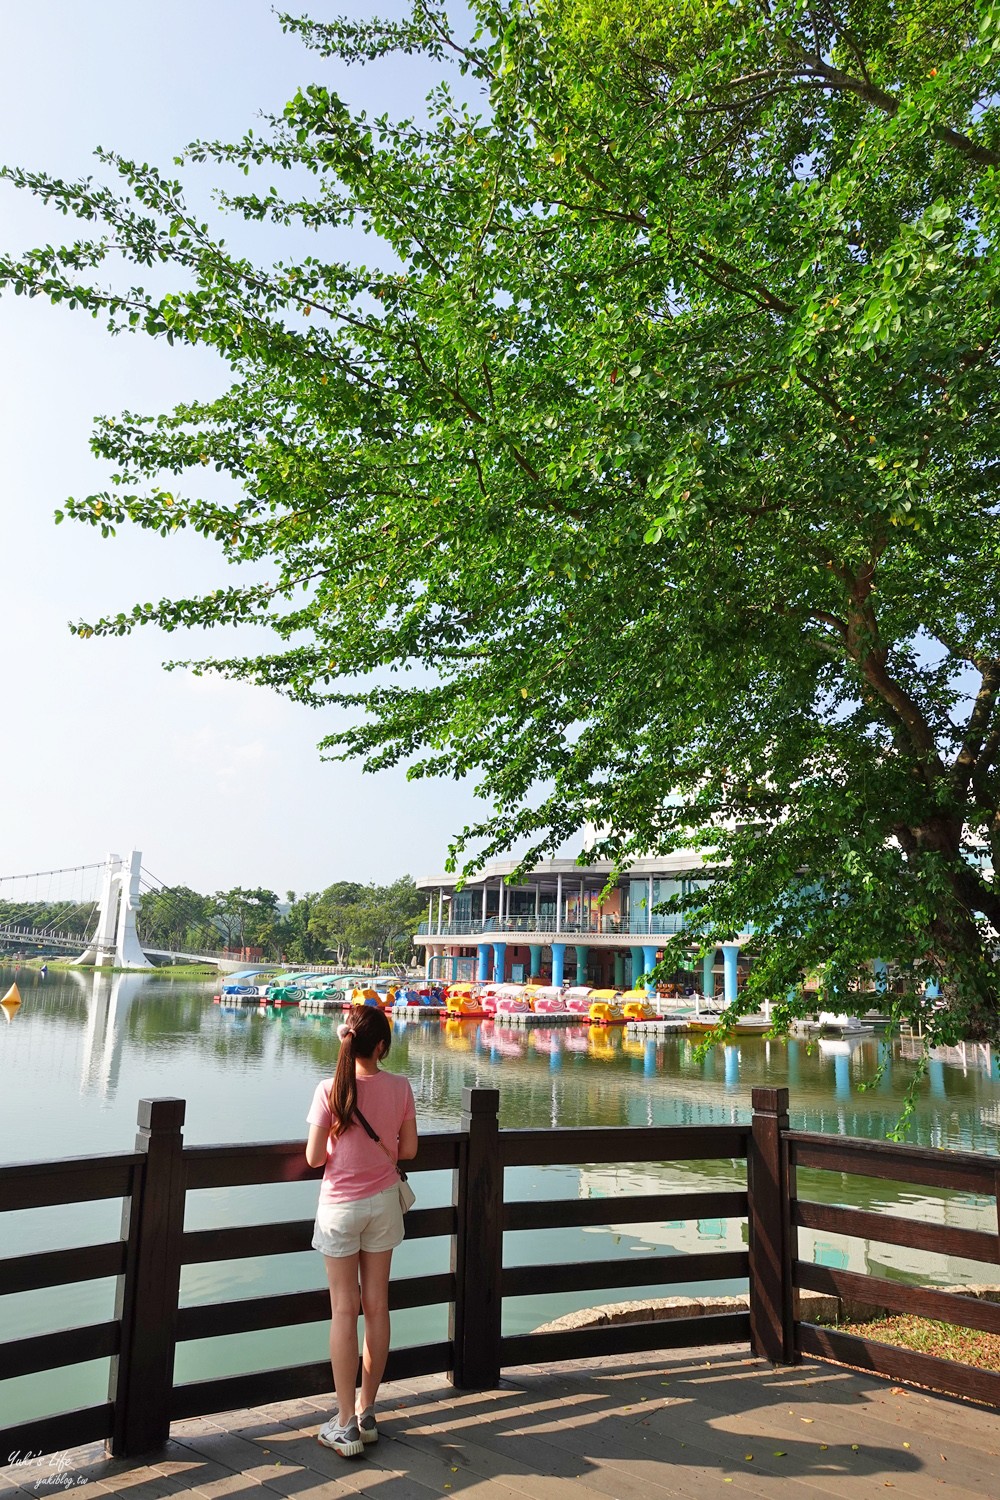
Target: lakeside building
x=555, y=925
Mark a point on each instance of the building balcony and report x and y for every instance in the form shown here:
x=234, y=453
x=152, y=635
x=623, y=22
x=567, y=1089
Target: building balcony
x=512, y=928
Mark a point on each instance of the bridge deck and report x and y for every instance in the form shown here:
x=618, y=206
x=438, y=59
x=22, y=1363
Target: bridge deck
x=702, y=1423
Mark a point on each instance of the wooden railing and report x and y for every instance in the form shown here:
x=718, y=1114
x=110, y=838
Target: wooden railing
x=147, y=1260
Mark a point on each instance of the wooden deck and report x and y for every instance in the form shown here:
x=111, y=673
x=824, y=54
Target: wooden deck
x=701, y=1424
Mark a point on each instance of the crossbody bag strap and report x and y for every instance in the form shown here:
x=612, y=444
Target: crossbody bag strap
x=379, y=1142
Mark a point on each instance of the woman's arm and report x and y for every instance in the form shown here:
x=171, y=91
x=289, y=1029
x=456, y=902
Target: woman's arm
x=408, y=1140
x=316, y=1145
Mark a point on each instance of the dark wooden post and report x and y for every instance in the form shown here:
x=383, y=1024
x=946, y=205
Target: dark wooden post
x=147, y=1295
x=477, y=1255
x=772, y=1334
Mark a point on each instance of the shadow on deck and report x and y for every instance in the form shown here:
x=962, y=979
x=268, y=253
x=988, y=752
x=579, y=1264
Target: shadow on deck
x=697, y=1424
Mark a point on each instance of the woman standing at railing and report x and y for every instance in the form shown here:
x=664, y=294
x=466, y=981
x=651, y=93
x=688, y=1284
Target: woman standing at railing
x=359, y=1221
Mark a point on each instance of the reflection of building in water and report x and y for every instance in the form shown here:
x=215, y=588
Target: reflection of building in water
x=107, y=1006
x=700, y=1235
x=971, y=1057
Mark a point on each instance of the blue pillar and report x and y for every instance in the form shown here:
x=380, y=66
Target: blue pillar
x=581, y=963
x=842, y=1075
x=534, y=960
x=649, y=1058
x=636, y=965
x=558, y=962
x=793, y=1062
x=730, y=959
x=499, y=962
x=732, y=1055
x=707, y=976
x=555, y=1058
x=483, y=962
x=619, y=971
x=649, y=962
x=454, y=971
x=932, y=990
x=880, y=970
x=935, y=1077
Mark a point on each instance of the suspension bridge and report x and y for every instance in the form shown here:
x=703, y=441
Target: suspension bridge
x=109, y=937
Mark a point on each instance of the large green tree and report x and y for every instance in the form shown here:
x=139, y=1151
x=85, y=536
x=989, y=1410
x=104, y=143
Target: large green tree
x=248, y=918
x=661, y=430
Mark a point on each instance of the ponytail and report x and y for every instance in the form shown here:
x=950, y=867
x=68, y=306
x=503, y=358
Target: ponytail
x=360, y=1034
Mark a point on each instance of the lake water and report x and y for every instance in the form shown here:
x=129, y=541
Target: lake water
x=85, y=1048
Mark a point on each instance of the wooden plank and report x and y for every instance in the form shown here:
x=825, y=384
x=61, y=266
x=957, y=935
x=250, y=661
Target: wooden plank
x=646, y=1208
x=891, y=1229
x=74, y=1179
x=546, y=1148
x=960, y=1170
x=27, y=1273
x=291, y=1237
x=284, y=1161
x=69, y=1429
x=234, y=1392
x=584, y=1276
x=431, y=1223
x=845, y=1442
x=250, y=1314
x=900, y=1364
x=199, y=1246
x=50, y=1351
x=578, y=1442
x=246, y=1166
x=625, y=1338
x=921, y=1301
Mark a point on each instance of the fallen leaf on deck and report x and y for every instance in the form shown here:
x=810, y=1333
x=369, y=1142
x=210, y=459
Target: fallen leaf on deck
x=810, y=1420
x=780, y=1453
x=748, y=1458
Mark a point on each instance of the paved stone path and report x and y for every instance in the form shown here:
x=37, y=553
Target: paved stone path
x=650, y=1427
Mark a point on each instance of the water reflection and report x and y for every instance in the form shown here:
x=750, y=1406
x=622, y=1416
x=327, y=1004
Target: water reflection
x=110, y=1039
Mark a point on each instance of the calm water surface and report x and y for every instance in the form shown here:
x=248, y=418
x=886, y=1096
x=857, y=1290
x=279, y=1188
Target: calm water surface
x=84, y=1049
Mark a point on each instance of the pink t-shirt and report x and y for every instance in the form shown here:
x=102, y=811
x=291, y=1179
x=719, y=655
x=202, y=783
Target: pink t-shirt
x=355, y=1166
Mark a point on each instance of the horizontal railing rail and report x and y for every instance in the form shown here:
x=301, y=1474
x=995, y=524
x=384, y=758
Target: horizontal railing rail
x=953, y=1171
x=493, y=927
x=150, y=1320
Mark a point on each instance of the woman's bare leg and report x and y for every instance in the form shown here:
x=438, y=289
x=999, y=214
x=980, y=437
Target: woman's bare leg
x=345, y=1300
x=374, y=1267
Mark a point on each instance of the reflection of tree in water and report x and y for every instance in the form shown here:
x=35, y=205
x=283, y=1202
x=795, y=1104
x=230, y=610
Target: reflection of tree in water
x=56, y=997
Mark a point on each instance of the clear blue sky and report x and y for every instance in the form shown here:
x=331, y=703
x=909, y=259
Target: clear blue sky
x=219, y=784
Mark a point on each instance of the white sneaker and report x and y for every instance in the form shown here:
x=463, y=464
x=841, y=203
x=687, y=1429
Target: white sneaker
x=344, y=1440
x=367, y=1425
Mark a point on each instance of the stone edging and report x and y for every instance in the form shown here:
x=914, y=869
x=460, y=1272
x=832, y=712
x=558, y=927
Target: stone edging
x=815, y=1307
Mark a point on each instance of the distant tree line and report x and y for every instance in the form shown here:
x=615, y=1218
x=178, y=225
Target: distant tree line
x=347, y=923
x=73, y=917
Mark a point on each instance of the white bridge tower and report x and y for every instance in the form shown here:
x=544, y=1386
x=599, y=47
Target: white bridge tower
x=116, y=943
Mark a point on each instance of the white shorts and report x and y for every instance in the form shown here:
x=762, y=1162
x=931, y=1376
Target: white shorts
x=374, y=1224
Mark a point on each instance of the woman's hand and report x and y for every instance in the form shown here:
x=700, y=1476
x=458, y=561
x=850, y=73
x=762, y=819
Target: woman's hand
x=407, y=1140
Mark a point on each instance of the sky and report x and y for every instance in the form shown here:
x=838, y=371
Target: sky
x=219, y=784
